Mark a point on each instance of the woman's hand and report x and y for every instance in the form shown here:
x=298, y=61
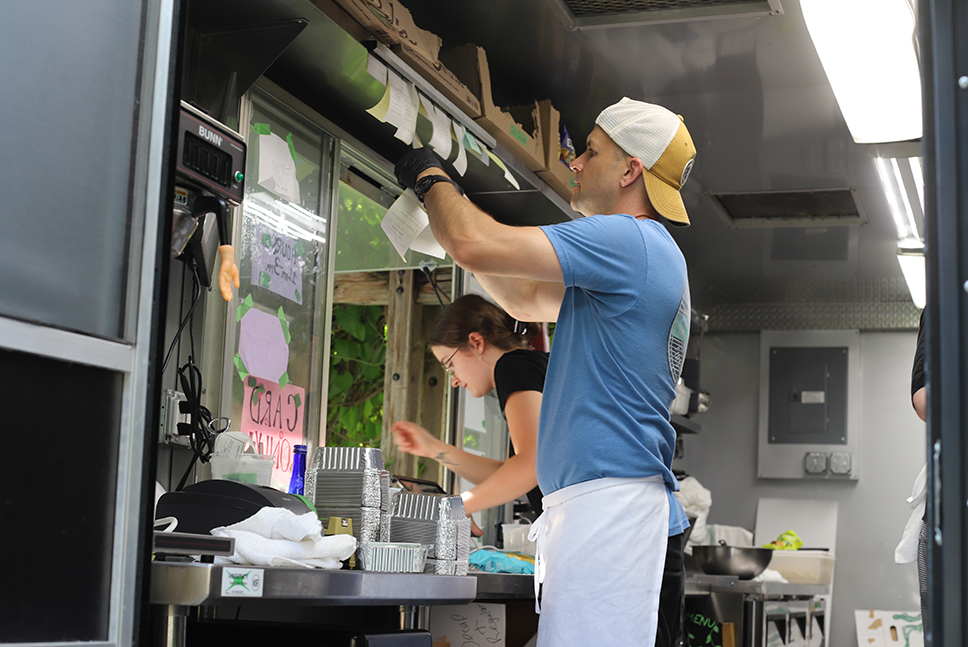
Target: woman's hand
x=414, y=439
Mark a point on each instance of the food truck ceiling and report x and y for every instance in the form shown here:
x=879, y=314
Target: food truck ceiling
x=767, y=127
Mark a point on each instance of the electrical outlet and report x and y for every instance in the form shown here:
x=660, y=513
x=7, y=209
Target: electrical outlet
x=170, y=417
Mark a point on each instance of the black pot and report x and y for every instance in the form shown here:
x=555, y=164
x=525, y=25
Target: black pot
x=739, y=561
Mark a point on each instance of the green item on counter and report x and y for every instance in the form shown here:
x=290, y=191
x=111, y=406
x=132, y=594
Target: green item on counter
x=306, y=500
x=787, y=541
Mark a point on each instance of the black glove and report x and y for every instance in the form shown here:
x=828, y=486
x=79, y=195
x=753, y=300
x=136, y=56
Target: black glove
x=413, y=163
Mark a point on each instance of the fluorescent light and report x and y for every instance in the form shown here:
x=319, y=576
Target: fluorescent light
x=912, y=266
x=918, y=178
x=898, y=202
x=867, y=50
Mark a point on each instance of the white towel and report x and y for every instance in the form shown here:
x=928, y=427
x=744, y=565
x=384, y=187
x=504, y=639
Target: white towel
x=696, y=501
x=280, y=537
x=907, y=550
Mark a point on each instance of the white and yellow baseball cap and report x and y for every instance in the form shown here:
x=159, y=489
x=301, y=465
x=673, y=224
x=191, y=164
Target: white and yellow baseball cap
x=659, y=138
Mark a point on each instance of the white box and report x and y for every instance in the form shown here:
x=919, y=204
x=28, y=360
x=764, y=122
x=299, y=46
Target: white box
x=245, y=468
x=516, y=538
x=804, y=566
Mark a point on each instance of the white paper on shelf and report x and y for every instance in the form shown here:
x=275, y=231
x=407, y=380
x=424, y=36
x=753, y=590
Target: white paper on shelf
x=407, y=226
x=460, y=164
x=376, y=68
x=398, y=107
x=441, y=140
x=507, y=171
x=402, y=112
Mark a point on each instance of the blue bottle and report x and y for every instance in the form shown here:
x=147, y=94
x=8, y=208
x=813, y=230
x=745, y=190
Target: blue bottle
x=298, y=469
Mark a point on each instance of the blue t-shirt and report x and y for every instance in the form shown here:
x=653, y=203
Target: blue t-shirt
x=619, y=344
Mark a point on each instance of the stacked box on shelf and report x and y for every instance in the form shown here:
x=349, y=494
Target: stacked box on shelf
x=436, y=521
x=393, y=26
x=350, y=483
x=555, y=173
x=517, y=128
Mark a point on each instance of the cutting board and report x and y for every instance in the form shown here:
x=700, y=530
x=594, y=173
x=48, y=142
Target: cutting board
x=814, y=520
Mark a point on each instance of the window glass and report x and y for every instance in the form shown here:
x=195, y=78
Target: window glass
x=283, y=260
x=365, y=194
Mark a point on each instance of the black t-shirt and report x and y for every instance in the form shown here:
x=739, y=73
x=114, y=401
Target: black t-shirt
x=917, y=372
x=521, y=370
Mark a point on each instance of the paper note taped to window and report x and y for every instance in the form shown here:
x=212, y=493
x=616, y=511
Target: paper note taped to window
x=407, y=226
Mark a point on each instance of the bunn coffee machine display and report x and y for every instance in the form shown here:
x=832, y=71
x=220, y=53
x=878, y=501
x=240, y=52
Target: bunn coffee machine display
x=210, y=164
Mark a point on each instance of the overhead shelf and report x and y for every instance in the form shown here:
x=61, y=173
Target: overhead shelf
x=326, y=68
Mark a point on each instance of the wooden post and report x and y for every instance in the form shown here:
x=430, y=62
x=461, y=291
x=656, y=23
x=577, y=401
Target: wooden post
x=403, y=369
x=421, y=391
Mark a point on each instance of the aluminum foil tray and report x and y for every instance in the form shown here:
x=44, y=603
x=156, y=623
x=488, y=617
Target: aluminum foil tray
x=347, y=458
x=392, y=557
x=446, y=567
x=346, y=488
x=385, y=490
x=427, y=506
x=445, y=539
x=412, y=530
x=453, y=541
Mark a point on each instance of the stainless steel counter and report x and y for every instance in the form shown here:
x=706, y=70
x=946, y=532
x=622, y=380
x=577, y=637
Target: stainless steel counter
x=176, y=587
x=496, y=586
x=194, y=584
x=703, y=584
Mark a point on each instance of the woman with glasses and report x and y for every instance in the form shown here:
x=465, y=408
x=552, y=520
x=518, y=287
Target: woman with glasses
x=481, y=348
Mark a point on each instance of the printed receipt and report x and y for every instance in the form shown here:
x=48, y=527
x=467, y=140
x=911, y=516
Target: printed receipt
x=407, y=226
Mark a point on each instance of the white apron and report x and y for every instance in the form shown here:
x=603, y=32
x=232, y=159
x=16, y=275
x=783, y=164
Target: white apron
x=600, y=556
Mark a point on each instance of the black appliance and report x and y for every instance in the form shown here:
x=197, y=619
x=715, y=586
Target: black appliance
x=210, y=177
x=211, y=504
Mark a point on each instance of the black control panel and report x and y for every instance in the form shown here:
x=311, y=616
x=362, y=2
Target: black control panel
x=210, y=155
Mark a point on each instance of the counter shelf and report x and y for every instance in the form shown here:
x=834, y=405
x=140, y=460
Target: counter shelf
x=503, y=586
x=701, y=584
x=178, y=586
x=194, y=584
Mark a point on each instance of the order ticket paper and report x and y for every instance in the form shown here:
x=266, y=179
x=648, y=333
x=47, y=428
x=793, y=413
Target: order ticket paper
x=407, y=226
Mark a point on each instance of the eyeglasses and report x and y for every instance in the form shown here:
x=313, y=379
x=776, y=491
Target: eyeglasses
x=448, y=364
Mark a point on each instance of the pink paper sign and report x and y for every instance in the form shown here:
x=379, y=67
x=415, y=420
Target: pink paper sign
x=273, y=415
x=262, y=345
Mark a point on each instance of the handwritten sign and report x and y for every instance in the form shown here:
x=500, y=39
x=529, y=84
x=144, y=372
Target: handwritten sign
x=273, y=415
x=276, y=262
x=469, y=625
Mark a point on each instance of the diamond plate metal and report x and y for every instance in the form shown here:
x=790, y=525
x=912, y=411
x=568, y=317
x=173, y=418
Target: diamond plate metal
x=808, y=304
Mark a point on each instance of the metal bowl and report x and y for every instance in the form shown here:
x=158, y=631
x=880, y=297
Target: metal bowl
x=742, y=562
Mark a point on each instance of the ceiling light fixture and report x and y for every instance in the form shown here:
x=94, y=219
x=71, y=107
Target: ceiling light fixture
x=912, y=266
x=910, y=245
x=895, y=189
x=867, y=49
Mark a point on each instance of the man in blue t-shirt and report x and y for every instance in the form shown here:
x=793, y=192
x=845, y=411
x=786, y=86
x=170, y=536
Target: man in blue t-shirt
x=611, y=537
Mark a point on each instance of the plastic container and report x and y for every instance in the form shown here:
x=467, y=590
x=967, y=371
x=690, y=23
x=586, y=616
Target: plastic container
x=804, y=566
x=516, y=538
x=245, y=468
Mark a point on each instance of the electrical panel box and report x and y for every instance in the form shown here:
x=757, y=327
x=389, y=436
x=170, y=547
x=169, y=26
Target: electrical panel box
x=809, y=405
